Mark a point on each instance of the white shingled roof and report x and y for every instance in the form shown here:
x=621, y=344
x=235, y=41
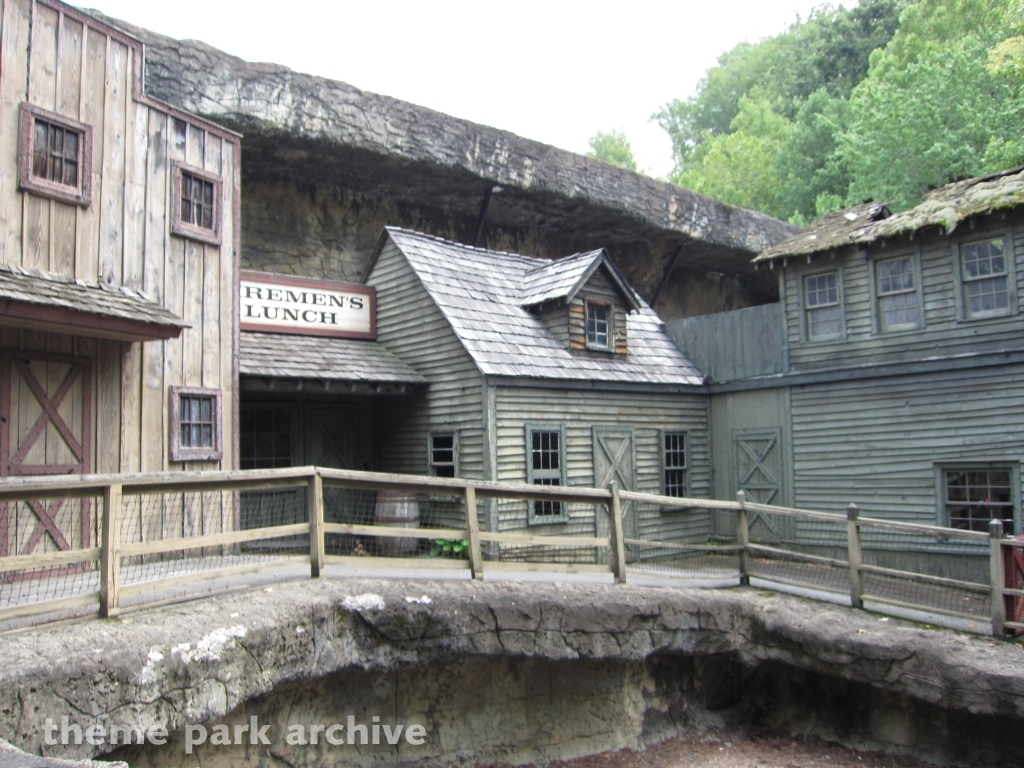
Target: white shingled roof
x=481, y=293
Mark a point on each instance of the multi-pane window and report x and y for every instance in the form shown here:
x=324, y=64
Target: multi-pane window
x=546, y=467
x=443, y=454
x=986, y=278
x=265, y=438
x=824, y=314
x=56, y=153
x=195, y=424
x=598, y=328
x=197, y=204
x=976, y=496
x=897, y=294
x=55, y=156
x=196, y=201
x=674, y=462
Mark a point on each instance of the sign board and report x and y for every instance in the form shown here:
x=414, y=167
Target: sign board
x=284, y=304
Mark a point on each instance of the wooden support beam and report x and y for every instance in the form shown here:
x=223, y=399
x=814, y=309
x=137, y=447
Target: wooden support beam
x=473, y=526
x=853, y=555
x=315, y=502
x=743, y=537
x=997, y=577
x=618, y=539
x=110, y=555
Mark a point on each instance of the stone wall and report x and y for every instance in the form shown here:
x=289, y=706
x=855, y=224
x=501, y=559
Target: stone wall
x=208, y=659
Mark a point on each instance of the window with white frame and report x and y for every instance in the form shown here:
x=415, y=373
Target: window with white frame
x=974, y=496
x=986, y=278
x=443, y=454
x=545, y=465
x=822, y=306
x=896, y=289
x=599, y=331
x=673, y=462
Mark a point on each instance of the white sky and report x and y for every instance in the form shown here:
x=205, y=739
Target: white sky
x=555, y=71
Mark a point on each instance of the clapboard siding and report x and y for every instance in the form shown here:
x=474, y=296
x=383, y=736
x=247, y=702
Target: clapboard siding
x=732, y=345
x=411, y=326
x=875, y=442
x=598, y=289
x=944, y=331
x=63, y=62
x=580, y=411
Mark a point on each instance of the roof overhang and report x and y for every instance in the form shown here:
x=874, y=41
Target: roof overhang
x=270, y=362
x=42, y=302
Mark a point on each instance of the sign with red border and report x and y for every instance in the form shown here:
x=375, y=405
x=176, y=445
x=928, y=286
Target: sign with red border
x=303, y=306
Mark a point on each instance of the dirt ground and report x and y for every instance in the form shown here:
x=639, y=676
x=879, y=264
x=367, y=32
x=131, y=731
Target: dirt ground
x=743, y=748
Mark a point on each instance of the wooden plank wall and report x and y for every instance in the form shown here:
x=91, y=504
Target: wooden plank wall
x=429, y=345
x=875, y=441
x=732, y=345
x=580, y=411
x=942, y=330
x=53, y=60
x=597, y=288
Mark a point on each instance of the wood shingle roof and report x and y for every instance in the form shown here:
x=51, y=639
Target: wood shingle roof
x=481, y=294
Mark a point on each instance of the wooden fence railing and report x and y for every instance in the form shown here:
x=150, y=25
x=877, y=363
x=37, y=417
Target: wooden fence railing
x=162, y=531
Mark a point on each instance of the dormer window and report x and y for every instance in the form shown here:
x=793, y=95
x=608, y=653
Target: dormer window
x=599, y=330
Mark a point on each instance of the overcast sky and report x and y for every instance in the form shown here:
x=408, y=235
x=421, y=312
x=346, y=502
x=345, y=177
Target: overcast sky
x=553, y=71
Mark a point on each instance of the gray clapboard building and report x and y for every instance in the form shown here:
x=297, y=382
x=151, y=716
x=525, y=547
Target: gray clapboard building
x=551, y=373
x=890, y=373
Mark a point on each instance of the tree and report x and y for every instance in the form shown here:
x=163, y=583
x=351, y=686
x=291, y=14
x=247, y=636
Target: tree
x=612, y=147
x=933, y=107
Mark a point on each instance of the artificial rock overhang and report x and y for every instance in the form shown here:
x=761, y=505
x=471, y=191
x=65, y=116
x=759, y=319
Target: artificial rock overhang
x=314, y=132
x=41, y=301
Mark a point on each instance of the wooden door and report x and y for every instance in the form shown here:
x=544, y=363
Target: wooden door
x=335, y=438
x=758, y=463
x=615, y=459
x=45, y=429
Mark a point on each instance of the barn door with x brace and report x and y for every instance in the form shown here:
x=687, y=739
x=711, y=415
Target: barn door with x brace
x=615, y=459
x=759, y=475
x=45, y=429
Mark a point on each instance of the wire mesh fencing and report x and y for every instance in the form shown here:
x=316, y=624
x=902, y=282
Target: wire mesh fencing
x=546, y=531
x=352, y=514
x=807, y=552
x=47, y=529
x=929, y=571
x=683, y=542
x=174, y=522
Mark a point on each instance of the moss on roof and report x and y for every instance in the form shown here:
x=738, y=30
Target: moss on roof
x=945, y=207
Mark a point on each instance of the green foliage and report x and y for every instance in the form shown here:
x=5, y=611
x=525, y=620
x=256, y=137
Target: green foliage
x=612, y=147
x=454, y=548
x=884, y=100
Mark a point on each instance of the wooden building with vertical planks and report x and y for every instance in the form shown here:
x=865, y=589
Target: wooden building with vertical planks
x=118, y=256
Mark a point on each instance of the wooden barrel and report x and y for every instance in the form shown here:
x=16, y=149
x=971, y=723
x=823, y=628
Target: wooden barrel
x=399, y=509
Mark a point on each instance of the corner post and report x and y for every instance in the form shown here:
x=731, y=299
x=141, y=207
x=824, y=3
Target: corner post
x=110, y=558
x=743, y=537
x=618, y=545
x=996, y=576
x=476, y=560
x=853, y=555
x=315, y=502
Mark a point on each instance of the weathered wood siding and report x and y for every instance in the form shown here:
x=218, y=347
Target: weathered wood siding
x=875, y=442
x=733, y=345
x=59, y=60
x=942, y=331
x=411, y=326
x=599, y=289
x=580, y=411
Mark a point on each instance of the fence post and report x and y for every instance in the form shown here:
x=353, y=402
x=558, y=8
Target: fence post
x=476, y=560
x=615, y=529
x=743, y=537
x=996, y=575
x=110, y=558
x=315, y=502
x=853, y=555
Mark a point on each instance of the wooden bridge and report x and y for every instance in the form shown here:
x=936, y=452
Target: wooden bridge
x=97, y=544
